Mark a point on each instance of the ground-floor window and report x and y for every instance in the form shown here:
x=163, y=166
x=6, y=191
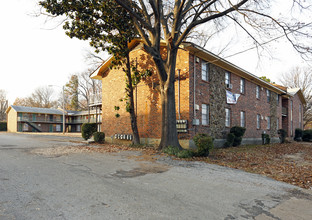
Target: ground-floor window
x=258, y=121
x=25, y=127
x=227, y=117
x=205, y=114
x=78, y=128
x=269, y=123
x=243, y=119
x=58, y=127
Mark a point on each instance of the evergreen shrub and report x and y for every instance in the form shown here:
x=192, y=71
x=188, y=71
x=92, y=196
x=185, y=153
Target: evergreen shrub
x=99, y=137
x=204, y=144
x=238, y=133
x=307, y=135
x=229, y=140
x=87, y=130
x=298, y=134
x=282, y=135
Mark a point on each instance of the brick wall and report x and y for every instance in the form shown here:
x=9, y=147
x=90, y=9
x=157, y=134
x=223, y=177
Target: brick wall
x=247, y=102
x=206, y=92
x=147, y=98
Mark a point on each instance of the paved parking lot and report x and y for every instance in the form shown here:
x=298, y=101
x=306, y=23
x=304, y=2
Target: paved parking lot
x=37, y=183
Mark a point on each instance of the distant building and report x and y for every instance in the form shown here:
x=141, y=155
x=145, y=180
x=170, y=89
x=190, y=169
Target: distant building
x=30, y=119
x=212, y=95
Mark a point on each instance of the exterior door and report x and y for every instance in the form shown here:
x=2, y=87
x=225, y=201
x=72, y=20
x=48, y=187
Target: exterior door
x=50, y=128
x=20, y=127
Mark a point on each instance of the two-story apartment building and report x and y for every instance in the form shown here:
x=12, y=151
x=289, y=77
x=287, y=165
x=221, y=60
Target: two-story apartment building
x=30, y=119
x=212, y=95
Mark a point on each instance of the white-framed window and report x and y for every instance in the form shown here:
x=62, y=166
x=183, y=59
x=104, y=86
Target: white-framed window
x=243, y=119
x=268, y=92
x=227, y=78
x=227, y=117
x=205, y=114
x=242, y=86
x=258, y=92
x=258, y=121
x=269, y=123
x=205, y=71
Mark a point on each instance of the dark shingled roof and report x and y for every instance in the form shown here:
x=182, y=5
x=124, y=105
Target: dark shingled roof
x=37, y=110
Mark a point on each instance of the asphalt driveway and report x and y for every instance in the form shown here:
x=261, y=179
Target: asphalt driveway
x=37, y=183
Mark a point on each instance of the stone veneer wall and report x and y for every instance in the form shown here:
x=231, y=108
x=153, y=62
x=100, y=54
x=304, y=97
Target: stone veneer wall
x=217, y=101
x=273, y=114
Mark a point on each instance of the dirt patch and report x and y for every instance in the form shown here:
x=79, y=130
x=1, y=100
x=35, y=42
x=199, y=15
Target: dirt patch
x=142, y=170
x=147, y=154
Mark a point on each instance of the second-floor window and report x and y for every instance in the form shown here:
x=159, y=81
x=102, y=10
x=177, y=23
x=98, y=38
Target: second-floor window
x=242, y=85
x=205, y=71
x=258, y=92
x=205, y=114
x=268, y=95
x=227, y=78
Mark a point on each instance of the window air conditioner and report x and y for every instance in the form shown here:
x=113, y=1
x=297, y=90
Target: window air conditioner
x=229, y=86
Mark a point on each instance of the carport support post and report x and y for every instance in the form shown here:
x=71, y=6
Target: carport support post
x=63, y=111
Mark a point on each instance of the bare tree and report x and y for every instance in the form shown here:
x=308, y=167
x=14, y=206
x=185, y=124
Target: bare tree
x=90, y=90
x=3, y=105
x=41, y=98
x=301, y=77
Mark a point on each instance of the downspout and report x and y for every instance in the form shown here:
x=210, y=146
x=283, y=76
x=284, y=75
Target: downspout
x=96, y=118
x=136, y=90
x=179, y=94
x=194, y=79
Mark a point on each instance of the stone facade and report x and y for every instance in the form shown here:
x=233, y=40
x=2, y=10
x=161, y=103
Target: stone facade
x=217, y=102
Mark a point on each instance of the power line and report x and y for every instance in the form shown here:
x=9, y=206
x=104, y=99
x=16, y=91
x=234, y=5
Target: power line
x=251, y=48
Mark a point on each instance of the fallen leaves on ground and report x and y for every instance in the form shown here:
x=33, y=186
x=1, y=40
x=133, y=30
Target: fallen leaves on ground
x=290, y=163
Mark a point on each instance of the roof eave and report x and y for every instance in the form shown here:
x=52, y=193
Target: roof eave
x=205, y=54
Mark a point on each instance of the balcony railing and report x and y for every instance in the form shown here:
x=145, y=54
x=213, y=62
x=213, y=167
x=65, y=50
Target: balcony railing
x=81, y=121
x=46, y=120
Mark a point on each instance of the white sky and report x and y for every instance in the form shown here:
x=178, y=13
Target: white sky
x=32, y=56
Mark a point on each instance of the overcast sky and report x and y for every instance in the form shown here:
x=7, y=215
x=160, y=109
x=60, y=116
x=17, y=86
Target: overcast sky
x=33, y=56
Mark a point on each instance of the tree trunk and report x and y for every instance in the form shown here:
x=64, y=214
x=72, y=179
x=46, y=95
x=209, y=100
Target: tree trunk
x=169, y=134
x=133, y=118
